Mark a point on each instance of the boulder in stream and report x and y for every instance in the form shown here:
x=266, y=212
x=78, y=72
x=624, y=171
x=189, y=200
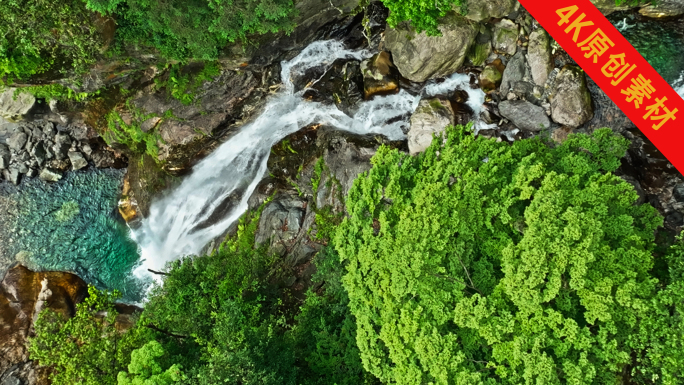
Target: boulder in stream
x=431, y=117
x=539, y=56
x=570, y=98
x=524, y=115
x=377, y=75
x=420, y=57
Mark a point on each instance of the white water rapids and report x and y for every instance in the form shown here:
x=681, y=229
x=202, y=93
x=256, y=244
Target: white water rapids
x=186, y=220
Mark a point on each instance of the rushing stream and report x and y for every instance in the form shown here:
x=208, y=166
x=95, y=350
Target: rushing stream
x=182, y=222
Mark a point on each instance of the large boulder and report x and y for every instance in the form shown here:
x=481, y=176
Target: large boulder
x=14, y=108
x=524, y=115
x=479, y=10
x=664, y=8
x=431, y=117
x=539, y=56
x=517, y=70
x=420, y=57
x=570, y=98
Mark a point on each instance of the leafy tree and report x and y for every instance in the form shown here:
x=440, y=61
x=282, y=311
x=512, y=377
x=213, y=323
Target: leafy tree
x=325, y=330
x=423, y=15
x=37, y=35
x=87, y=348
x=480, y=262
x=145, y=368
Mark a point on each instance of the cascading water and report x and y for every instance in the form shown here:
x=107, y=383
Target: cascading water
x=184, y=221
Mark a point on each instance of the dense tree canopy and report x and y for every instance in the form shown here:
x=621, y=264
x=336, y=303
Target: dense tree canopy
x=483, y=262
x=422, y=14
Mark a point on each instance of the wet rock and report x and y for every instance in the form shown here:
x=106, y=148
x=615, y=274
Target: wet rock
x=280, y=221
x=61, y=146
x=17, y=141
x=570, y=98
x=516, y=70
x=430, y=118
x=539, y=56
x=77, y=160
x=50, y=175
x=505, y=37
x=479, y=10
x=377, y=75
x=490, y=78
x=23, y=293
x=15, y=109
x=128, y=206
x=38, y=153
x=481, y=48
x=524, y=115
x=5, y=156
x=420, y=57
x=664, y=8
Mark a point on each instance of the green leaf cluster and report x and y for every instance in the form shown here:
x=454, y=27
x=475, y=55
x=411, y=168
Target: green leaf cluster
x=507, y=264
x=39, y=35
x=196, y=29
x=423, y=15
x=131, y=134
x=183, y=86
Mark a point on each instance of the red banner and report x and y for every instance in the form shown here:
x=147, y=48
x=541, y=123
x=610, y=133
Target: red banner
x=621, y=72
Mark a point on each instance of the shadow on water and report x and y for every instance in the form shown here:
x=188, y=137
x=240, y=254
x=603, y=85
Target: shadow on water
x=72, y=225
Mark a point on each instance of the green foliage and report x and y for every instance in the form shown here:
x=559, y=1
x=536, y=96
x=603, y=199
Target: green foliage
x=68, y=211
x=183, y=86
x=70, y=226
x=196, y=29
x=422, y=14
x=85, y=349
x=131, y=135
x=37, y=35
x=483, y=262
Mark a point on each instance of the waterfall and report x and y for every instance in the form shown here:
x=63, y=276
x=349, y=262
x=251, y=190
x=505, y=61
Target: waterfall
x=205, y=205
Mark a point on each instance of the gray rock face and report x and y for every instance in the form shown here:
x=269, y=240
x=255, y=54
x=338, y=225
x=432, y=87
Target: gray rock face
x=4, y=156
x=524, y=115
x=570, y=98
x=281, y=220
x=17, y=141
x=431, y=117
x=49, y=175
x=38, y=153
x=505, y=37
x=539, y=56
x=664, y=8
x=479, y=10
x=420, y=57
x=15, y=109
x=77, y=160
x=13, y=175
x=516, y=70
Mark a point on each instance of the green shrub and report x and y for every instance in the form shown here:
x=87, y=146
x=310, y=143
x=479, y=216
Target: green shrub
x=183, y=86
x=496, y=263
x=422, y=14
x=131, y=134
x=54, y=92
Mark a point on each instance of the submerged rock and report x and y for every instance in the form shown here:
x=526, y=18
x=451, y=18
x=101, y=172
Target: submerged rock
x=524, y=115
x=420, y=57
x=570, y=98
x=431, y=117
x=50, y=175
